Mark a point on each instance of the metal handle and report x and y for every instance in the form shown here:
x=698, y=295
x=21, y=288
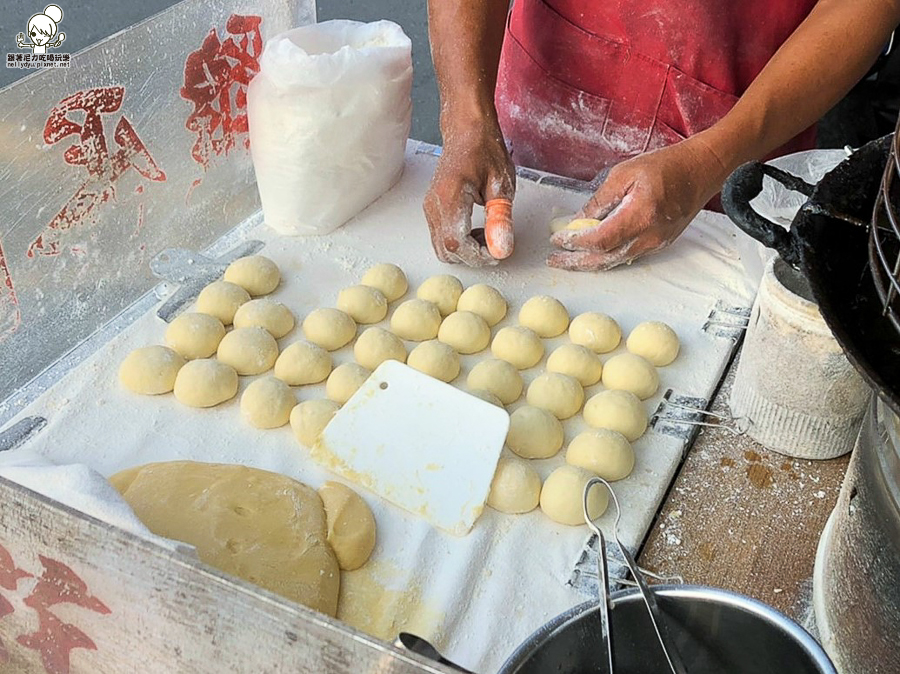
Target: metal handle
x=742, y=187
x=418, y=645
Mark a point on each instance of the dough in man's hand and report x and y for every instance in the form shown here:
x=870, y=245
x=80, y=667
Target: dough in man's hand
x=263, y=527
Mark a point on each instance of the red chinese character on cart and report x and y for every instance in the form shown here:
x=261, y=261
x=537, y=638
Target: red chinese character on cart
x=91, y=152
x=10, y=575
x=215, y=81
x=10, y=318
x=55, y=639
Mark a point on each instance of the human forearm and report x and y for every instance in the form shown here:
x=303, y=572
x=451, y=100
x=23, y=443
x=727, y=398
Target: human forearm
x=466, y=37
x=827, y=54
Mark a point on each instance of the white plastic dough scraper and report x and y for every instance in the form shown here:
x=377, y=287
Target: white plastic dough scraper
x=423, y=445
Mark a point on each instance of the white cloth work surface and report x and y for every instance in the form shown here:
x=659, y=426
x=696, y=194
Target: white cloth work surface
x=476, y=598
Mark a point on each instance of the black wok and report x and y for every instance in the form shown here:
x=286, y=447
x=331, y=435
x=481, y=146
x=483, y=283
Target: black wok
x=828, y=244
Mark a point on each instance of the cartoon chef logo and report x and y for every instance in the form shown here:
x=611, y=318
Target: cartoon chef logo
x=43, y=31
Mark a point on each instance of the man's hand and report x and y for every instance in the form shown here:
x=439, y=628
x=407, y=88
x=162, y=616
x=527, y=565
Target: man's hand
x=474, y=168
x=644, y=204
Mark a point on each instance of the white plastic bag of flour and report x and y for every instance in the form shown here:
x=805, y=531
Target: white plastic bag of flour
x=329, y=116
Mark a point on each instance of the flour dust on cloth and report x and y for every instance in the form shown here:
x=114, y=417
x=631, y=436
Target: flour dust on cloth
x=585, y=85
x=81, y=488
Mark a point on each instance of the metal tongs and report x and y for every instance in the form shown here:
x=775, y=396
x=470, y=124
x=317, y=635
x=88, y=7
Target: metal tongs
x=659, y=625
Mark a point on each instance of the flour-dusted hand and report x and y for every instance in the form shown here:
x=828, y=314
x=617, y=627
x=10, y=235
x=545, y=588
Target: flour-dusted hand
x=474, y=168
x=643, y=205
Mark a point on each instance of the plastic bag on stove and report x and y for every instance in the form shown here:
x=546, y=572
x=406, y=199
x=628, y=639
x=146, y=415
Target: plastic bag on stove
x=329, y=116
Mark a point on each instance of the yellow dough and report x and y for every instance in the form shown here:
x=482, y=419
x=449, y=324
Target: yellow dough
x=466, y=332
x=344, y=381
x=267, y=403
x=276, y=318
x=195, y=335
x=248, y=350
x=309, y=419
x=376, y=345
x=256, y=274
x=562, y=498
x=388, y=278
x=485, y=301
x=583, y=223
x=603, y=452
x=331, y=329
x=497, y=376
x=576, y=361
x=303, y=363
x=598, y=332
x=416, y=320
x=363, y=304
x=205, y=383
x=486, y=396
x=545, y=315
x=351, y=525
x=655, y=341
x=263, y=527
x=222, y=300
x=516, y=487
x=618, y=411
x=151, y=370
x=519, y=346
x=435, y=359
x=559, y=394
x=534, y=433
x=443, y=290
x=627, y=372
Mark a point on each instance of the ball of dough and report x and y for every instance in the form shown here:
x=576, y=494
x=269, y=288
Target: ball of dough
x=267, y=403
x=516, y=487
x=576, y=361
x=150, y=370
x=464, y=331
x=620, y=411
x=519, y=346
x=248, y=350
x=485, y=301
x=309, y=419
x=435, y=359
x=221, y=299
x=416, y=320
x=545, y=315
x=344, y=381
x=582, y=223
x=443, y=290
x=205, y=383
x=256, y=274
x=195, y=335
x=329, y=328
x=363, y=304
x=598, y=332
x=303, y=363
x=263, y=527
x=559, y=394
x=351, y=525
x=270, y=315
x=603, y=452
x=388, y=278
x=486, y=396
x=534, y=433
x=627, y=372
x=655, y=341
x=376, y=345
x=562, y=498
x=498, y=377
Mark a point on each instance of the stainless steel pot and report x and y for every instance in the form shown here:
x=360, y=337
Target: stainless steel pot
x=856, y=585
x=716, y=632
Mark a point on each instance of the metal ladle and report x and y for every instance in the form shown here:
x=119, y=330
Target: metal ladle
x=659, y=625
